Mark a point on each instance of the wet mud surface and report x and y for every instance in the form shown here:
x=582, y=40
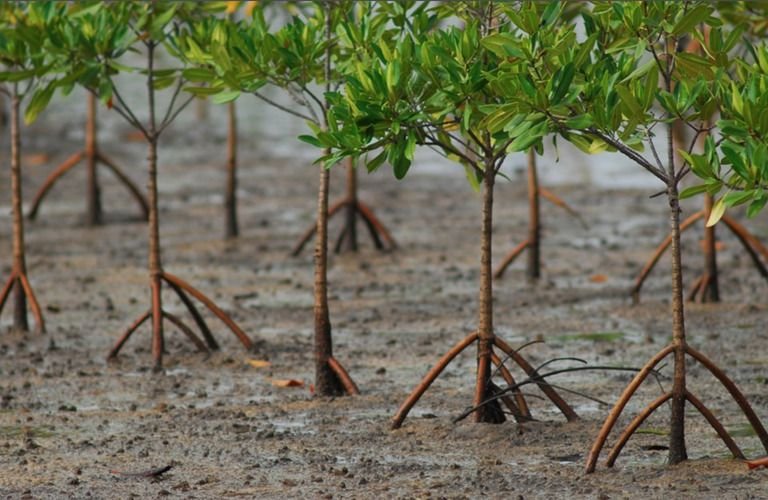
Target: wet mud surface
x=68, y=419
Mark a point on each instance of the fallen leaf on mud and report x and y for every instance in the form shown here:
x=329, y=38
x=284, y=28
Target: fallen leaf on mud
x=758, y=462
x=258, y=363
x=598, y=278
x=287, y=382
x=34, y=159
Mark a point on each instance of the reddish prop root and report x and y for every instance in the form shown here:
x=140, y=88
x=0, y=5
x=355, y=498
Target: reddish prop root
x=93, y=157
x=382, y=238
x=346, y=381
x=19, y=279
x=156, y=312
x=444, y=361
x=615, y=412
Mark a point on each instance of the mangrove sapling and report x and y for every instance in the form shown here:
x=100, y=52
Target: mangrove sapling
x=706, y=287
x=242, y=57
x=26, y=67
x=432, y=89
x=151, y=26
x=608, y=84
x=532, y=243
x=92, y=156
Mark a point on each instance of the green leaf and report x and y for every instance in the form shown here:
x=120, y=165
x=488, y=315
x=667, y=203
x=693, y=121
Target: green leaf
x=693, y=191
x=225, y=97
x=311, y=139
x=580, y=122
x=756, y=206
x=376, y=162
x=718, y=210
x=629, y=100
x=689, y=21
x=38, y=103
x=737, y=198
x=199, y=75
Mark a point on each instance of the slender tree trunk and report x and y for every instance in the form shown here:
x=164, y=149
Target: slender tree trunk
x=710, y=292
x=677, y=449
x=19, y=262
x=485, y=309
x=326, y=382
x=154, y=257
x=93, y=208
x=230, y=197
x=533, y=267
x=350, y=225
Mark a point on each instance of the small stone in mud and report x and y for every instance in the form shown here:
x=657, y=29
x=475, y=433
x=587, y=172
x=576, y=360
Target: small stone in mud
x=66, y=407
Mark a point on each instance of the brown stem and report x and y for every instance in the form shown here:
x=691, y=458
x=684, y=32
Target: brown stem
x=230, y=196
x=533, y=265
x=677, y=451
x=158, y=341
x=350, y=222
x=93, y=212
x=19, y=262
x=326, y=381
x=485, y=303
x=632, y=427
x=613, y=415
x=430, y=377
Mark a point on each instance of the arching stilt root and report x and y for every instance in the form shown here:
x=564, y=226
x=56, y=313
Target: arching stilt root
x=18, y=280
x=93, y=157
x=382, y=239
x=184, y=290
x=615, y=412
x=353, y=208
x=700, y=289
x=518, y=407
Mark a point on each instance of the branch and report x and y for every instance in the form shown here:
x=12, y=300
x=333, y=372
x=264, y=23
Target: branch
x=164, y=122
x=631, y=154
x=175, y=114
x=284, y=108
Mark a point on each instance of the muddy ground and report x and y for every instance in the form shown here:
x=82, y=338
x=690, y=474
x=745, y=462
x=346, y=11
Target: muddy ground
x=69, y=419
